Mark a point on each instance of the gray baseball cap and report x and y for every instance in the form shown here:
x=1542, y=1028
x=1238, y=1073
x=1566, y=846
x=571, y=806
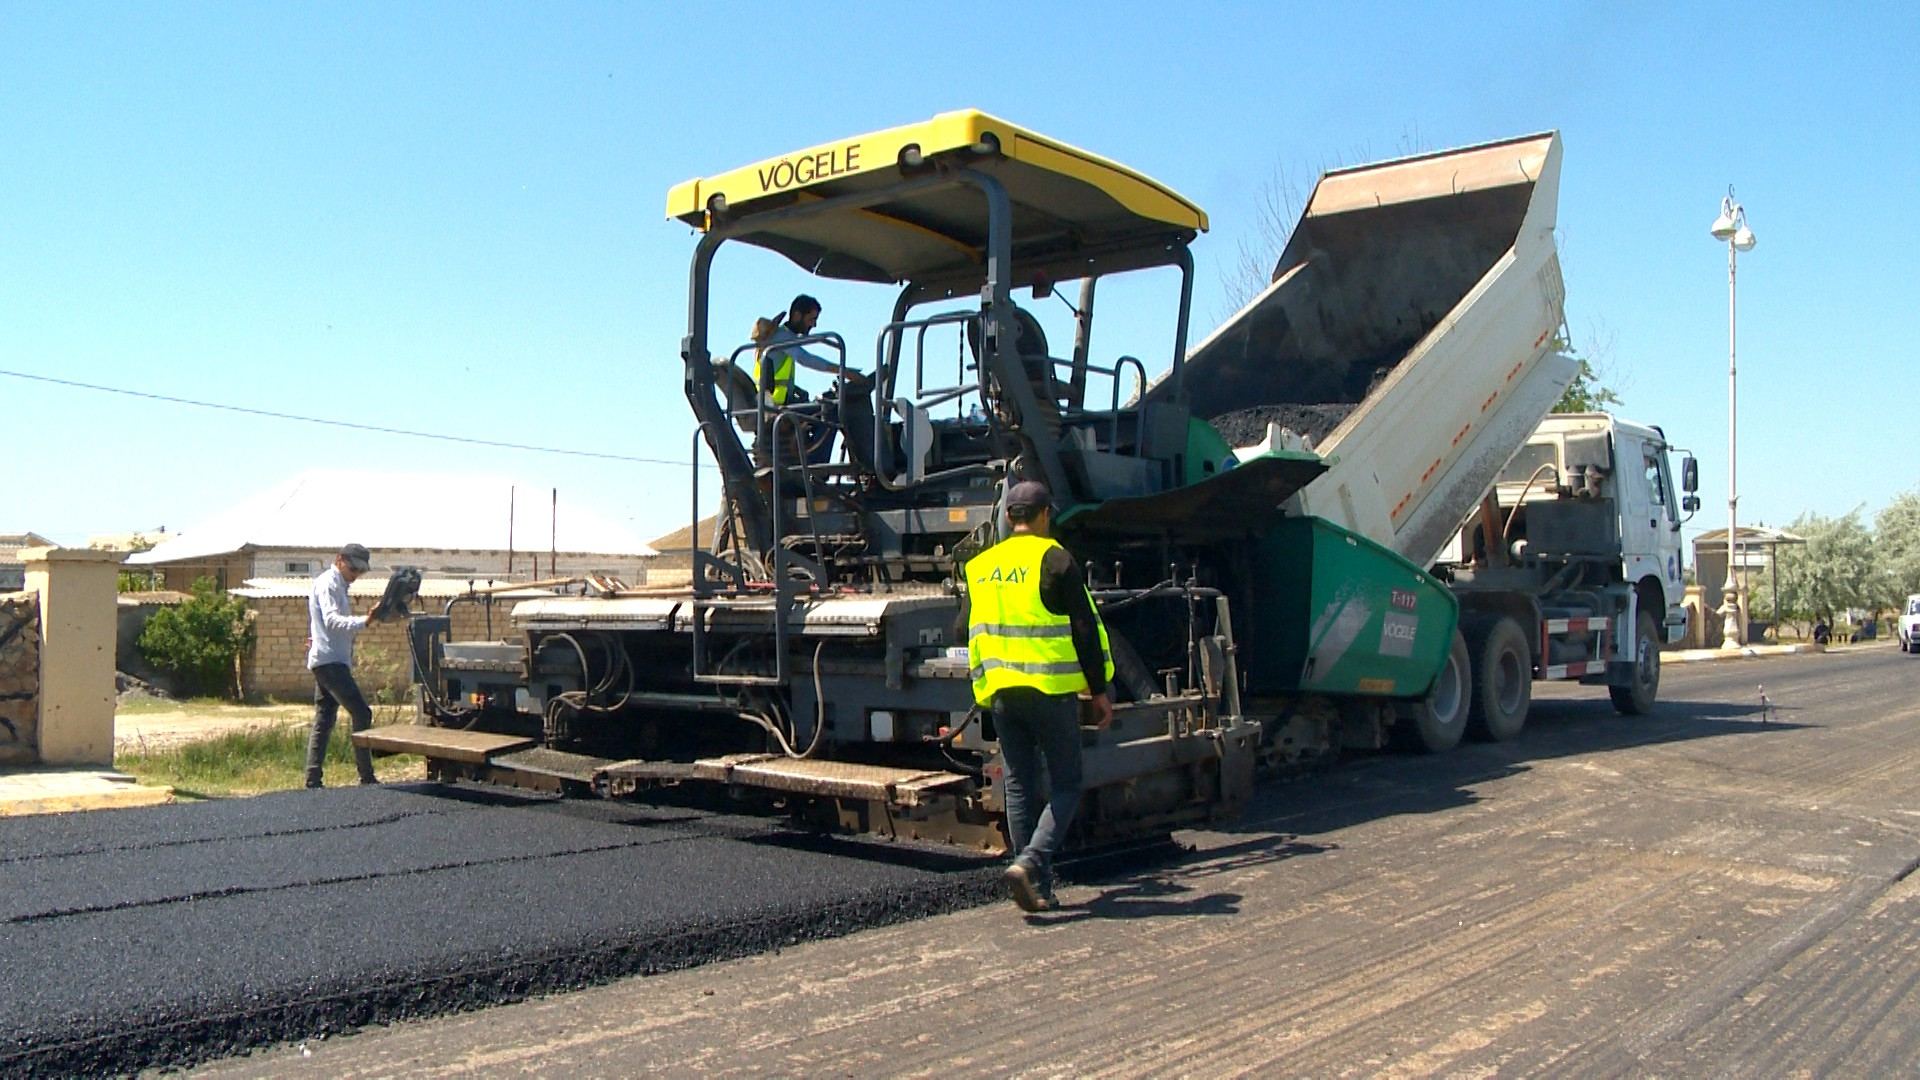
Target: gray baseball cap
x=356, y=556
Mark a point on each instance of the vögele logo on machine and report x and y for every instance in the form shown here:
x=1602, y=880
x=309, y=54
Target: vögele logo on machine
x=808, y=168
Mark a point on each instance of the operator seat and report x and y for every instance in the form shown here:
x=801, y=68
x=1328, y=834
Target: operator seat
x=743, y=398
x=1030, y=344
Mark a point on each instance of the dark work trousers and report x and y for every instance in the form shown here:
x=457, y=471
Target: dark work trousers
x=1039, y=738
x=333, y=686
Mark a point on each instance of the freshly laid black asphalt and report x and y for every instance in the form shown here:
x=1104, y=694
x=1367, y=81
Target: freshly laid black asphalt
x=165, y=936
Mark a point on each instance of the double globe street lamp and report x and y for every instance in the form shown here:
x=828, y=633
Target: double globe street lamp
x=1731, y=228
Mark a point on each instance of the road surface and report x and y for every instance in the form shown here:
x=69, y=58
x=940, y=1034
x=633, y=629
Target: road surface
x=1710, y=891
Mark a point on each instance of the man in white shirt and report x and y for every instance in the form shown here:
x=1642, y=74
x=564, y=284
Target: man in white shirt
x=331, y=627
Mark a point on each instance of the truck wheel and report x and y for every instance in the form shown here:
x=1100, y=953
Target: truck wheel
x=1636, y=698
x=1502, y=678
x=1440, y=720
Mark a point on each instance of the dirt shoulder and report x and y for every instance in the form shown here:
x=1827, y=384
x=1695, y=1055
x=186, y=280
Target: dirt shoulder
x=149, y=724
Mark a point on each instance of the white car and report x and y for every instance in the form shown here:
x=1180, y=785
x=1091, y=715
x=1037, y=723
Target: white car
x=1910, y=625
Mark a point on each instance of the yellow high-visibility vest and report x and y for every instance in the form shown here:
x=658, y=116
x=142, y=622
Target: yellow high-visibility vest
x=1012, y=639
x=782, y=373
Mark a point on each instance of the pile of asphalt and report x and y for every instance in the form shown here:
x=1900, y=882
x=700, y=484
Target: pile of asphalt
x=1245, y=427
x=171, y=935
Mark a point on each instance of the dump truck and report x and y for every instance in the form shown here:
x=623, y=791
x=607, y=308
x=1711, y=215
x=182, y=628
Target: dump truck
x=1272, y=591
x=1411, y=337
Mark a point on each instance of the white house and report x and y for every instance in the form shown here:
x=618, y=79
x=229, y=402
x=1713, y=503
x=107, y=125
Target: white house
x=451, y=526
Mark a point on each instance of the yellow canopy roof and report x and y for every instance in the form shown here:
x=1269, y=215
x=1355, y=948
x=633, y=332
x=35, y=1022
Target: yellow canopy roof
x=1070, y=207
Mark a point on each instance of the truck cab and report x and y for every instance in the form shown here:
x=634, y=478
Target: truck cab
x=1589, y=489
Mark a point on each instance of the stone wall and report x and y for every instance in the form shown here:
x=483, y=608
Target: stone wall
x=277, y=666
x=19, y=678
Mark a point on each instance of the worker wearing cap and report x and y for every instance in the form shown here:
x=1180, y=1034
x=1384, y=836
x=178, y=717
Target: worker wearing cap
x=850, y=406
x=331, y=627
x=1034, y=645
x=773, y=362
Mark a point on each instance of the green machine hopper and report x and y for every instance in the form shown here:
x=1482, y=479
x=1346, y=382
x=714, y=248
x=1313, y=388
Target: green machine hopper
x=1335, y=613
x=1319, y=609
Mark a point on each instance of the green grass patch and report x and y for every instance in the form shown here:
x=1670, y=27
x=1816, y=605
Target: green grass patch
x=255, y=760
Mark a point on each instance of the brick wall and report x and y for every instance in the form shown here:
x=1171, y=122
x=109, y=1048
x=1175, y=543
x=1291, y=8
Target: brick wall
x=277, y=666
x=19, y=678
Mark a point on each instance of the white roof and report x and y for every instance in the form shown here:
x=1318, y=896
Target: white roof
x=266, y=588
x=326, y=508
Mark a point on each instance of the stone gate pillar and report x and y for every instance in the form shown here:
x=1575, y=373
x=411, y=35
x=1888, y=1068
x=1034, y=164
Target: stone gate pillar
x=78, y=620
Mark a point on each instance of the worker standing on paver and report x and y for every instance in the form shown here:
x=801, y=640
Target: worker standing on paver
x=1034, y=644
x=331, y=627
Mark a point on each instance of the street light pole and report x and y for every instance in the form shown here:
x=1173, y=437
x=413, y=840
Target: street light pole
x=1731, y=226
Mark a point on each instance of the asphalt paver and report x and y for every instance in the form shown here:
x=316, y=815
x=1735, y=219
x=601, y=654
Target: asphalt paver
x=167, y=935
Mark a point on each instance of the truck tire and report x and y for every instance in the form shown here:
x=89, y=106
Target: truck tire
x=1502, y=678
x=1440, y=720
x=1636, y=698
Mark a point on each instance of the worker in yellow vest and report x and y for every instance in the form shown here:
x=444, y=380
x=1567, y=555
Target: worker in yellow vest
x=848, y=406
x=1034, y=645
x=773, y=365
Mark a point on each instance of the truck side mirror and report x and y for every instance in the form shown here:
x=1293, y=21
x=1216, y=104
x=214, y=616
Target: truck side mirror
x=1689, y=475
x=1689, y=503
x=1042, y=286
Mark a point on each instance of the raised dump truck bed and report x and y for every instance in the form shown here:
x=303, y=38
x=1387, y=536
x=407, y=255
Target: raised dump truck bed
x=1410, y=333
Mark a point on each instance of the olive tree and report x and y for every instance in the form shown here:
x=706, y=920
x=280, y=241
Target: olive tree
x=1896, y=541
x=1833, y=571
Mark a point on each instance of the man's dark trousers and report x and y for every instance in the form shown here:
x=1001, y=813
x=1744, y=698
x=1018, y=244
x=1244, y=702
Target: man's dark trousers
x=333, y=686
x=1040, y=739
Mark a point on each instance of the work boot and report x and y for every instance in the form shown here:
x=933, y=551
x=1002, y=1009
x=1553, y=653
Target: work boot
x=1022, y=879
x=1048, y=901
x=313, y=779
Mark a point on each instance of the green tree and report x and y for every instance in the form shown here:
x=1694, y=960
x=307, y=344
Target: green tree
x=200, y=639
x=1834, y=570
x=1896, y=539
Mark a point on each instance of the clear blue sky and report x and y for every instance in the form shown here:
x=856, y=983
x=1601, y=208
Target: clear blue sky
x=449, y=217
